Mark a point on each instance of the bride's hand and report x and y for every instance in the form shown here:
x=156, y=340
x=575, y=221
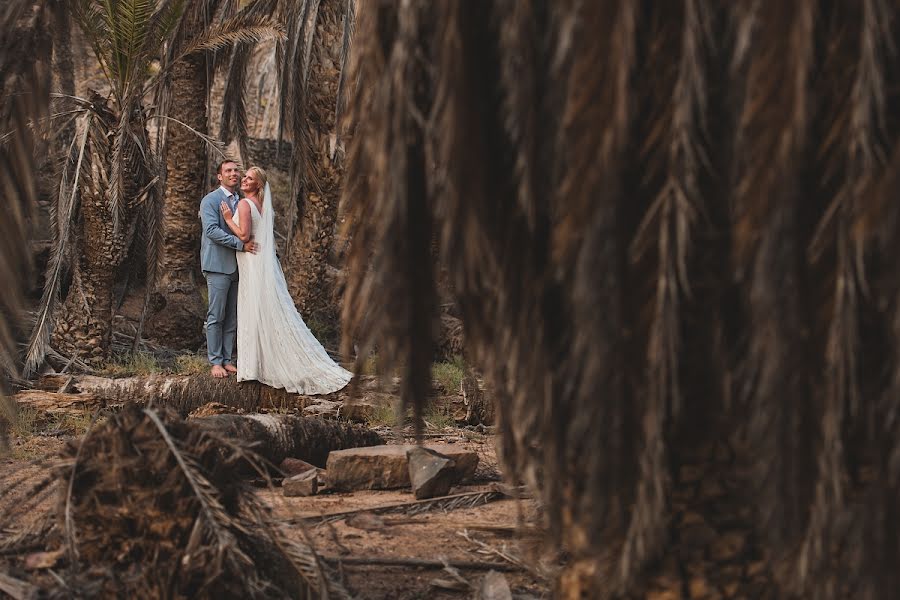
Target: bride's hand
x=226, y=212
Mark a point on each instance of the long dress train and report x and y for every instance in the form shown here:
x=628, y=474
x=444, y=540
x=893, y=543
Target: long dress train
x=275, y=347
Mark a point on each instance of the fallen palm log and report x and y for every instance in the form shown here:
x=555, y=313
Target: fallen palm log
x=275, y=437
x=183, y=393
x=57, y=403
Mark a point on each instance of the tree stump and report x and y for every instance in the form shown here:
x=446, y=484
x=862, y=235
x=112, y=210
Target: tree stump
x=479, y=406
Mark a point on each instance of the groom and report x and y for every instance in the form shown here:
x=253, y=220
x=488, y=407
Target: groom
x=217, y=259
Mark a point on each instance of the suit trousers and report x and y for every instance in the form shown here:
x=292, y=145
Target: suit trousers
x=221, y=318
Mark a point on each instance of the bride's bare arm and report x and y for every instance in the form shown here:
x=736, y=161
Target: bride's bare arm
x=242, y=230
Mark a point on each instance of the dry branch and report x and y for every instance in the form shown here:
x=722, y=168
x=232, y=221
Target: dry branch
x=16, y=588
x=467, y=500
x=422, y=562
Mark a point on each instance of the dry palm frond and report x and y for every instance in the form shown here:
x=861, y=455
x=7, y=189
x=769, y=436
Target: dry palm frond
x=293, y=109
x=24, y=88
x=394, y=160
x=239, y=30
x=234, y=111
x=621, y=272
x=674, y=142
x=854, y=132
x=65, y=208
x=346, y=41
x=769, y=250
x=597, y=118
x=157, y=506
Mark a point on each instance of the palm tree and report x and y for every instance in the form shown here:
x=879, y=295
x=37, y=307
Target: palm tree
x=671, y=232
x=310, y=66
x=110, y=197
x=311, y=61
x=311, y=277
x=177, y=307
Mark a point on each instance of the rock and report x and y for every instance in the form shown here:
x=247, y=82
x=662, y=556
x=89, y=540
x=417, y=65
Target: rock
x=365, y=522
x=494, y=587
x=387, y=467
x=327, y=409
x=430, y=474
x=361, y=412
x=294, y=466
x=373, y=406
x=304, y=484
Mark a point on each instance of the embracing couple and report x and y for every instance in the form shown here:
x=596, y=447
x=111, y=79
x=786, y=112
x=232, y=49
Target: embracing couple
x=275, y=346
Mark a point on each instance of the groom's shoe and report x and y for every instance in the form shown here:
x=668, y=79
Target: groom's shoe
x=231, y=368
x=218, y=372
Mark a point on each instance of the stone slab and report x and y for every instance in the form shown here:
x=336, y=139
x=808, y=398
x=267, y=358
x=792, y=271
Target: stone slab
x=387, y=467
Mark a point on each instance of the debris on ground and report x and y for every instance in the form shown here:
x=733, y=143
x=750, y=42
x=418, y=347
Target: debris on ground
x=304, y=484
x=154, y=506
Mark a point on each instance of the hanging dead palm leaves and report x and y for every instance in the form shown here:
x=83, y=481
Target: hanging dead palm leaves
x=667, y=231
x=24, y=89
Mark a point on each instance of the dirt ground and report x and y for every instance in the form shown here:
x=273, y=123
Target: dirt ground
x=501, y=531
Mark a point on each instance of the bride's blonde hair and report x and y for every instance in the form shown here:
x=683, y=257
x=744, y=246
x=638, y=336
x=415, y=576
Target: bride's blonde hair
x=260, y=176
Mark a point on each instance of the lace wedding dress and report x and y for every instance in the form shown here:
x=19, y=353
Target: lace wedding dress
x=274, y=345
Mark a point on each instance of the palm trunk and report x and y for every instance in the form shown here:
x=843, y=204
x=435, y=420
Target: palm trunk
x=276, y=437
x=311, y=279
x=178, y=308
x=84, y=326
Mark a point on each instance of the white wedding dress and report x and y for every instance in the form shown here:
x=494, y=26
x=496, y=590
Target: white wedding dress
x=274, y=345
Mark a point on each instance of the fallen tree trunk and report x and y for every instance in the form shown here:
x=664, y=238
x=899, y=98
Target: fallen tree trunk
x=183, y=393
x=279, y=436
x=57, y=404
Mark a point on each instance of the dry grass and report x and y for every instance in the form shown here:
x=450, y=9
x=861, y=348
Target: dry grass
x=437, y=417
x=138, y=363
x=28, y=423
x=370, y=365
x=449, y=374
x=23, y=422
x=381, y=416
x=324, y=331
x=191, y=364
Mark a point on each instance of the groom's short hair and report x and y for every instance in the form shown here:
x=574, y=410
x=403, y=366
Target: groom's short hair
x=222, y=164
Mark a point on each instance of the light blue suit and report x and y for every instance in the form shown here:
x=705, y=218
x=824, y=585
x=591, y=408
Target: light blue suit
x=219, y=264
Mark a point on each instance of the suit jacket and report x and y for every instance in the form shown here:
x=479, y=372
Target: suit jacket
x=217, y=243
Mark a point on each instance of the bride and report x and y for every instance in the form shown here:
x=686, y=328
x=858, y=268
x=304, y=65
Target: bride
x=275, y=347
